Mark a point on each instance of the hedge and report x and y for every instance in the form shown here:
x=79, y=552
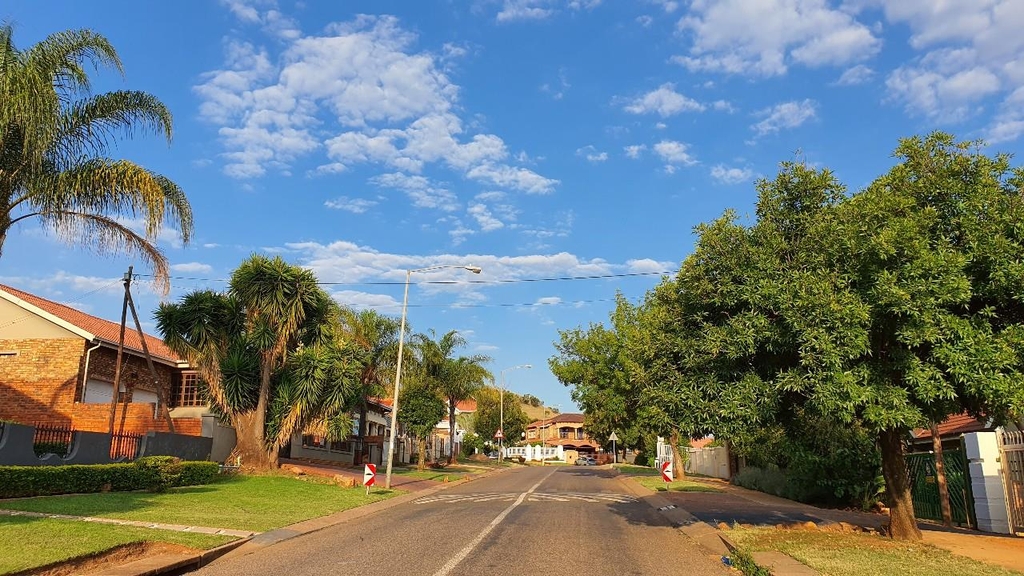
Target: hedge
x=149, y=473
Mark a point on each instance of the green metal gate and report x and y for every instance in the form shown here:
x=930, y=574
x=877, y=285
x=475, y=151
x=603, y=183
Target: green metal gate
x=924, y=487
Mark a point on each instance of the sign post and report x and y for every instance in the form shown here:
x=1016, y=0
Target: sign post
x=369, y=476
x=615, y=453
x=499, y=435
x=666, y=471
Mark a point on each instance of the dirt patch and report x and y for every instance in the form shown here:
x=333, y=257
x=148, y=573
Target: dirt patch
x=113, y=557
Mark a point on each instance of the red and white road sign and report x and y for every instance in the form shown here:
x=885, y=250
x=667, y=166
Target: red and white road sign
x=369, y=474
x=666, y=471
x=499, y=435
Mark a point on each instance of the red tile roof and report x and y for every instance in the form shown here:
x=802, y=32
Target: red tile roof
x=466, y=406
x=105, y=330
x=558, y=419
x=954, y=426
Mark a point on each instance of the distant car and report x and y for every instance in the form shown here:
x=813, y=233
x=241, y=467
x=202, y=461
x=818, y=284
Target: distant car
x=493, y=455
x=585, y=461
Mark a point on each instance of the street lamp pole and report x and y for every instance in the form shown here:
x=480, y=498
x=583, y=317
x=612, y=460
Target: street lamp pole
x=501, y=410
x=398, y=367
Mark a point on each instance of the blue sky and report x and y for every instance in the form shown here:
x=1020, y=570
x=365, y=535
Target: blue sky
x=533, y=138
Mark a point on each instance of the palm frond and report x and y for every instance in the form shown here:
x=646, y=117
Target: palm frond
x=90, y=126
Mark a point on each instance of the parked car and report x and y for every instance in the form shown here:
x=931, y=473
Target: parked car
x=585, y=461
x=493, y=455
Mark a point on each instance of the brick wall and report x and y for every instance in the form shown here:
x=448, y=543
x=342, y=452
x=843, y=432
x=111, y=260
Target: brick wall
x=38, y=384
x=41, y=385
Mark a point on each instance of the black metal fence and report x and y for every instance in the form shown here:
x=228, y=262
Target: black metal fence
x=53, y=439
x=125, y=445
x=57, y=439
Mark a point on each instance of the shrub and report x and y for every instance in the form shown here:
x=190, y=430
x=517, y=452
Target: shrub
x=23, y=481
x=58, y=448
x=642, y=459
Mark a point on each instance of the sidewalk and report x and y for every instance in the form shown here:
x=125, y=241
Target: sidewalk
x=397, y=480
x=735, y=505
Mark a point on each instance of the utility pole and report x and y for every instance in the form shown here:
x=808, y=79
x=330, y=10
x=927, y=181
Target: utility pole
x=120, y=350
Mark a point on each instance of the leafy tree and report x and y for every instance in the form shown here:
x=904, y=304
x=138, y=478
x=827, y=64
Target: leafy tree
x=375, y=336
x=455, y=379
x=531, y=400
x=488, y=415
x=269, y=352
x=420, y=409
x=54, y=141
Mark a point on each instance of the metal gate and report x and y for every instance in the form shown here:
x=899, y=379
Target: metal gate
x=1011, y=448
x=924, y=487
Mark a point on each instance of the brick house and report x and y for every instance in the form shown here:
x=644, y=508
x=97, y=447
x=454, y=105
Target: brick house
x=565, y=431
x=57, y=367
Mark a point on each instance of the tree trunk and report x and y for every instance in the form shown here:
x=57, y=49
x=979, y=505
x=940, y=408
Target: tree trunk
x=940, y=476
x=421, y=464
x=451, y=431
x=250, y=446
x=902, y=523
x=678, y=464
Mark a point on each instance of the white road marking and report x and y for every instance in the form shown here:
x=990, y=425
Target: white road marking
x=534, y=497
x=455, y=560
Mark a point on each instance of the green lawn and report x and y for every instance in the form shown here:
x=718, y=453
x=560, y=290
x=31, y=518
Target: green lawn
x=31, y=542
x=256, y=503
x=856, y=554
x=437, y=474
x=631, y=470
x=656, y=483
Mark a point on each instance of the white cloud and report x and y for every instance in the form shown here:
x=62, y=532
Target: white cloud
x=364, y=300
x=479, y=348
x=664, y=101
x=584, y=4
x=419, y=189
x=634, y=150
x=971, y=57
x=518, y=10
x=360, y=94
x=490, y=196
x=727, y=175
x=762, y=37
x=784, y=116
x=591, y=154
x=858, y=74
x=563, y=86
x=548, y=301
x=723, y=106
x=484, y=218
x=648, y=266
x=353, y=205
x=669, y=6
x=644, y=20
x=192, y=268
x=674, y=153
x=661, y=125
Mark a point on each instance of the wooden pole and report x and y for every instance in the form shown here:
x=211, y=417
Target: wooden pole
x=120, y=351
x=160, y=395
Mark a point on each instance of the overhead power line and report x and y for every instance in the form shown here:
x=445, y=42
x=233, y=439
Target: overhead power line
x=444, y=282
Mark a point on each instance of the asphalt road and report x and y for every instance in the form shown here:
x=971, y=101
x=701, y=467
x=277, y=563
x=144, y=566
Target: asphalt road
x=534, y=520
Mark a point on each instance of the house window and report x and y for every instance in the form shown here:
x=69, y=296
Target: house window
x=8, y=353
x=579, y=433
x=563, y=432
x=186, y=391
x=341, y=446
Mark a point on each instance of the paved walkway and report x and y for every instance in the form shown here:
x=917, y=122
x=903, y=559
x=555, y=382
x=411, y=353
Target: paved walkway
x=135, y=523
x=742, y=506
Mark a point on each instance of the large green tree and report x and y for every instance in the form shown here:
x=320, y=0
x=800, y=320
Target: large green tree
x=420, y=409
x=271, y=354
x=55, y=138
x=489, y=416
x=454, y=378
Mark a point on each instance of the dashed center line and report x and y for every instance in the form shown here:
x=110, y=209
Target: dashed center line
x=530, y=497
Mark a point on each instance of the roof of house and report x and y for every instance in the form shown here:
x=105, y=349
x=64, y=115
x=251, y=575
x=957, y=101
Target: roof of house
x=557, y=419
x=88, y=326
x=466, y=405
x=954, y=426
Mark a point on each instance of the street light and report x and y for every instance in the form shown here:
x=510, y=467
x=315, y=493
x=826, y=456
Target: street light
x=501, y=408
x=398, y=369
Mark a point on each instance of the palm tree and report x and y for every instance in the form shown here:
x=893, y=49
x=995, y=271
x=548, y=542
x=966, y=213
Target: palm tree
x=54, y=141
x=455, y=379
x=376, y=338
x=270, y=353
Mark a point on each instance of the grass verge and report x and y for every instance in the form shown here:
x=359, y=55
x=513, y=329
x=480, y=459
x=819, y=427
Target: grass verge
x=857, y=554
x=256, y=503
x=631, y=470
x=32, y=542
x=656, y=483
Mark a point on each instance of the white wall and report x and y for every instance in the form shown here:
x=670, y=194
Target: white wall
x=987, y=482
x=712, y=462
